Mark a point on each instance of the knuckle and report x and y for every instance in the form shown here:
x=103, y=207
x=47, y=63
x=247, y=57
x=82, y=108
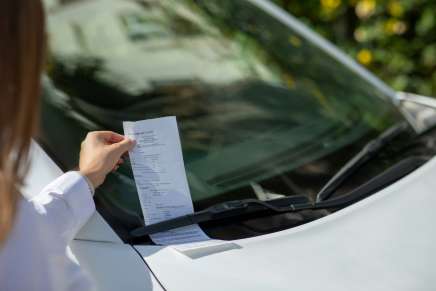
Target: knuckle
x=92, y=134
x=117, y=146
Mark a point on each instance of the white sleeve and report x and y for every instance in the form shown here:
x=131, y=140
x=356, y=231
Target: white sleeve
x=34, y=257
x=65, y=204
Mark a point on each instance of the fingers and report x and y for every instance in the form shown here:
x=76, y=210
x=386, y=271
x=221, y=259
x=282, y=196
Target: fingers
x=115, y=137
x=123, y=146
x=118, y=164
x=107, y=136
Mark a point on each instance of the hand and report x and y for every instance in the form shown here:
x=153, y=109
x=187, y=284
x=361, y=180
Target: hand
x=101, y=152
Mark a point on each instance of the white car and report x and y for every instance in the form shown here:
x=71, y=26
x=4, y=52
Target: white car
x=268, y=113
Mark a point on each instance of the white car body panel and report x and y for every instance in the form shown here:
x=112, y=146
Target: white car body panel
x=114, y=266
x=384, y=242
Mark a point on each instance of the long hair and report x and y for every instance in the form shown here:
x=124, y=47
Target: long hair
x=21, y=60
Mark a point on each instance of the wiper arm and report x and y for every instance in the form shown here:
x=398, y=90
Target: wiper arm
x=282, y=205
x=371, y=149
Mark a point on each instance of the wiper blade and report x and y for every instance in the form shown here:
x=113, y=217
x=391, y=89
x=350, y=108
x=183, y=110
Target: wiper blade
x=282, y=205
x=221, y=211
x=371, y=149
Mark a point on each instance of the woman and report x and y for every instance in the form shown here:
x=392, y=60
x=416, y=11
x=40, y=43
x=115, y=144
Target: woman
x=34, y=234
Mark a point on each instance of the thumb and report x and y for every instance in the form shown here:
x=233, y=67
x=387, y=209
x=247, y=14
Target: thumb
x=123, y=146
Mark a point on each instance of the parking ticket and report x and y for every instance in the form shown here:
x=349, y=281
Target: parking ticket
x=159, y=172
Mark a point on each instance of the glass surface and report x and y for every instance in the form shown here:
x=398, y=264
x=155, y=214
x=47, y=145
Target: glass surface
x=261, y=111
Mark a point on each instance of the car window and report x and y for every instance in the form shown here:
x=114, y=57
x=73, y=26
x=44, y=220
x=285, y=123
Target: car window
x=261, y=111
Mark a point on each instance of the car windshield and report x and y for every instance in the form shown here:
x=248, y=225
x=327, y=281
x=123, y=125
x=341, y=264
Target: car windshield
x=262, y=112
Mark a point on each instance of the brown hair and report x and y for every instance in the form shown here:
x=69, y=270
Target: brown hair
x=21, y=58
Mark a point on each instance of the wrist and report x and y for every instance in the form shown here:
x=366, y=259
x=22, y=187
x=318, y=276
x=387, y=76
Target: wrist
x=91, y=178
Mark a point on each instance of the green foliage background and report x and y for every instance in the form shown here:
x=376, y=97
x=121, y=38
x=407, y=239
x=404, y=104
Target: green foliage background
x=395, y=39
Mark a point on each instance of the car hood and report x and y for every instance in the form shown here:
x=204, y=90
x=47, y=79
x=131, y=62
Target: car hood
x=385, y=242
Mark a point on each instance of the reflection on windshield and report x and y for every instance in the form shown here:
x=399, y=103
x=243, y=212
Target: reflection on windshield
x=254, y=100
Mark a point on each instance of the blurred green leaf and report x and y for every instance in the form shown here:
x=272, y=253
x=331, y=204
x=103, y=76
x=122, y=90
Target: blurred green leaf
x=426, y=22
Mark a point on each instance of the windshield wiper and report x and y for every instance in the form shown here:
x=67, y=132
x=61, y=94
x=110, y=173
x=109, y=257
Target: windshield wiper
x=220, y=211
x=239, y=208
x=371, y=149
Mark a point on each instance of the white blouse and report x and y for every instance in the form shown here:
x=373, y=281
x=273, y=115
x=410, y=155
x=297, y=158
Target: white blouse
x=36, y=256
